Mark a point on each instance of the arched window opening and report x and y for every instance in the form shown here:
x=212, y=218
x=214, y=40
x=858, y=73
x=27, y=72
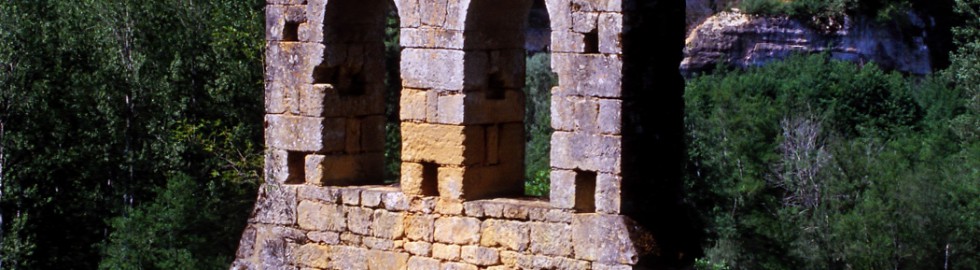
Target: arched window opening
x=539, y=80
x=354, y=82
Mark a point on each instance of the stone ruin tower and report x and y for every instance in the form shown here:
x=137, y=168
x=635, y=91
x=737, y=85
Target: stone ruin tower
x=457, y=206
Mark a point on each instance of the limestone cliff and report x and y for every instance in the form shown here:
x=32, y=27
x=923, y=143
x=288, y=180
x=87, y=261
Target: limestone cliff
x=745, y=40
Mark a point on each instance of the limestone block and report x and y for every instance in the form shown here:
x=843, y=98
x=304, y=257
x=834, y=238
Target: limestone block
x=449, y=207
x=473, y=209
x=375, y=243
x=573, y=150
x=480, y=255
x=381, y=260
x=607, y=198
x=551, y=239
x=458, y=266
x=350, y=239
x=371, y=197
x=515, y=211
x=567, y=42
x=388, y=225
x=456, y=15
x=408, y=13
x=610, y=116
x=594, y=75
x=280, y=99
x=419, y=248
x=450, y=183
x=433, y=12
x=450, y=109
x=584, y=21
x=359, y=220
x=291, y=63
x=294, y=133
x=314, y=169
x=277, y=167
x=347, y=169
x=312, y=255
x=420, y=227
x=441, y=144
x=611, y=33
x=416, y=262
x=246, y=245
x=560, y=13
x=395, y=201
x=312, y=30
x=457, y=230
x=598, y=5
x=493, y=210
x=413, y=105
x=351, y=196
x=345, y=257
x=426, y=205
x=276, y=204
x=562, y=192
x=330, y=238
x=512, y=235
x=316, y=216
x=604, y=238
x=562, y=112
x=447, y=252
x=585, y=114
x=434, y=38
x=432, y=69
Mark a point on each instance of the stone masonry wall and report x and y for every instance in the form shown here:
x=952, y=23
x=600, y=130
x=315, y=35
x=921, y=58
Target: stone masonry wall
x=461, y=112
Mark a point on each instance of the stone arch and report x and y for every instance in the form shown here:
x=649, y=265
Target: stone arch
x=350, y=81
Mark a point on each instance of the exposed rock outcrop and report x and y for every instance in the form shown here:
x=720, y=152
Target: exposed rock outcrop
x=743, y=40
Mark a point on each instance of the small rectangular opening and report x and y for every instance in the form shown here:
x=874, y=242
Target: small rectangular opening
x=585, y=191
x=430, y=179
x=496, y=86
x=592, y=41
x=323, y=74
x=296, y=163
x=290, y=31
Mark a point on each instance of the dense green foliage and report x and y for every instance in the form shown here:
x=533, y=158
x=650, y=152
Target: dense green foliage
x=817, y=164
x=131, y=131
x=539, y=80
x=880, y=9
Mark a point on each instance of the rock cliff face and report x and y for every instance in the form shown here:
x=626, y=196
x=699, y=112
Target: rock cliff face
x=744, y=40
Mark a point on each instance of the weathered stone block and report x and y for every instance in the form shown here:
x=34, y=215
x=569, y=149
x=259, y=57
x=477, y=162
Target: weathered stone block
x=321, y=194
x=388, y=225
x=611, y=33
x=604, y=238
x=458, y=266
x=433, y=38
x=473, y=209
x=432, y=69
x=551, y=239
x=449, y=109
x=351, y=196
x=316, y=216
x=595, y=75
x=449, y=207
x=447, y=252
x=395, y=201
x=291, y=63
x=573, y=150
x=416, y=262
x=419, y=248
x=408, y=13
x=312, y=255
x=381, y=260
x=276, y=204
x=330, y=238
x=560, y=13
x=375, y=243
x=481, y=109
x=294, y=133
x=457, y=230
x=585, y=114
x=359, y=220
x=413, y=105
x=512, y=235
x=562, y=111
x=345, y=257
x=607, y=197
x=584, y=21
x=480, y=255
x=277, y=167
x=610, y=116
x=562, y=193
x=419, y=227
x=441, y=144
x=450, y=184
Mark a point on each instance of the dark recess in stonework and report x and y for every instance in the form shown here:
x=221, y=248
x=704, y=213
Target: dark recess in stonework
x=653, y=131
